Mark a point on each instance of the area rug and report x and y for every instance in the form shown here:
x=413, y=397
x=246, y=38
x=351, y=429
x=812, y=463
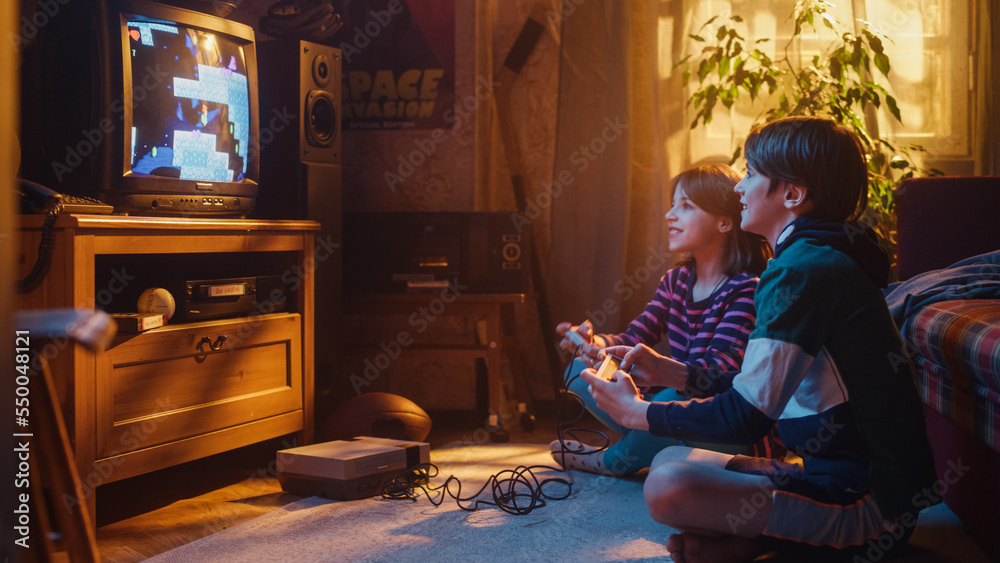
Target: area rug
x=602, y=519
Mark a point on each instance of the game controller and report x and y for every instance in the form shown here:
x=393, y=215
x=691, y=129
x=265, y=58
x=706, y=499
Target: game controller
x=608, y=368
x=575, y=337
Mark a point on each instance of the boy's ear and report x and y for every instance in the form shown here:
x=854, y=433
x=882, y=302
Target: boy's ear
x=725, y=224
x=796, y=196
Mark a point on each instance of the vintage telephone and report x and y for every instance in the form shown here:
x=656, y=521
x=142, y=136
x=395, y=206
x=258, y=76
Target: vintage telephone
x=36, y=198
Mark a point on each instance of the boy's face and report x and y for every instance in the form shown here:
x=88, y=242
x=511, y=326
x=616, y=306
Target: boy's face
x=762, y=214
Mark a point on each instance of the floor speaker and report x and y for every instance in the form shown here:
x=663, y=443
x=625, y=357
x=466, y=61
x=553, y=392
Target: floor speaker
x=300, y=173
x=300, y=137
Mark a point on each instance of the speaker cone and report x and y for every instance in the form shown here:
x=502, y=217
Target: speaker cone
x=320, y=118
x=321, y=70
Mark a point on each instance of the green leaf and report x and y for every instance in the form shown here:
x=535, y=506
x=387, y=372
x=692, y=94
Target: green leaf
x=724, y=67
x=738, y=73
x=703, y=69
x=875, y=42
x=893, y=108
x=882, y=63
x=772, y=84
x=828, y=22
x=836, y=69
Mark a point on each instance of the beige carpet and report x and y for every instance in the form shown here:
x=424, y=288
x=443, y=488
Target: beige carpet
x=604, y=519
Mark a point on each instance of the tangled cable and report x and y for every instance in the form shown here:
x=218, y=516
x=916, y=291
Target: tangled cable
x=564, y=428
x=515, y=491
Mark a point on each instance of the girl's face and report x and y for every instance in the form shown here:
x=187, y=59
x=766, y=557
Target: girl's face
x=691, y=227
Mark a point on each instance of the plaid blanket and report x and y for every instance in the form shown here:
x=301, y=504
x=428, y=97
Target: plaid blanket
x=956, y=347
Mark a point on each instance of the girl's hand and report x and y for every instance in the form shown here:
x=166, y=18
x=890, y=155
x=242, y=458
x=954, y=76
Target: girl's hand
x=619, y=398
x=588, y=351
x=584, y=330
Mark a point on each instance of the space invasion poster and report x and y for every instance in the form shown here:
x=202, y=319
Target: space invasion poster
x=398, y=64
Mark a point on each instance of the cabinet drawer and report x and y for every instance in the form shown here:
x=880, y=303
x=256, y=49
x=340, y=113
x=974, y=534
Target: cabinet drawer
x=169, y=384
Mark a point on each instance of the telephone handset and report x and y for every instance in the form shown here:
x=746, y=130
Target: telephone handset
x=36, y=198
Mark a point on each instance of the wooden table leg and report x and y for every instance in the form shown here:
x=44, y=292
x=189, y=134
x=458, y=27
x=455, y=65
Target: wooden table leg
x=494, y=355
x=511, y=348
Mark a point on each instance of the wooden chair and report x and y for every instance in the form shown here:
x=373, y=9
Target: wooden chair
x=60, y=520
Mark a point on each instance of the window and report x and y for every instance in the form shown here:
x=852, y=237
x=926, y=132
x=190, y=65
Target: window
x=931, y=46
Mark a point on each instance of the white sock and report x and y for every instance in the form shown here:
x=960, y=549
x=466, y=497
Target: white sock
x=571, y=454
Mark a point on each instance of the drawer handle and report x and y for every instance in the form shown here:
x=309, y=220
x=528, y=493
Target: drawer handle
x=216, y=346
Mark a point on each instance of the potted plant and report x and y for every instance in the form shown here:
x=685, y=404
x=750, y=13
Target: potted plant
x=837, y=82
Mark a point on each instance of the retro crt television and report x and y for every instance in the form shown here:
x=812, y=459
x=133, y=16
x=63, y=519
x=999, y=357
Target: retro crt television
x=150, y=108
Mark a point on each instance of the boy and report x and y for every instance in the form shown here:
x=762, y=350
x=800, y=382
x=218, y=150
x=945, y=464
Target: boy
x=825, y=363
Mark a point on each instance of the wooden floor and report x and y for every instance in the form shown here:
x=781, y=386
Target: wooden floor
x=143, y=516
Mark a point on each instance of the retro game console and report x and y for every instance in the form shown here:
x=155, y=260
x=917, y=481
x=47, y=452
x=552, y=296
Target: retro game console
x=347, y=469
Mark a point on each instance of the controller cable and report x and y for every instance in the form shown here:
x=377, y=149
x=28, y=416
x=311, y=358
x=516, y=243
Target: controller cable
x=516, y=491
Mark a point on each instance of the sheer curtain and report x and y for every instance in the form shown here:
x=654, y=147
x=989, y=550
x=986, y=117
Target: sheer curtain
x=608, y=246
x=623, y=130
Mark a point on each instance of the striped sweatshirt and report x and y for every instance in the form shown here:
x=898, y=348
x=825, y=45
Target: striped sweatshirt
x=710, y=334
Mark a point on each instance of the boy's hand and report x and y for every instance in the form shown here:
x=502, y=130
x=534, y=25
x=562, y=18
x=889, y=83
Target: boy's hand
x=619, y=398
x=648, y=368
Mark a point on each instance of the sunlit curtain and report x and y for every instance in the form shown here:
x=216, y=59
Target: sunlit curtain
x=608, y=248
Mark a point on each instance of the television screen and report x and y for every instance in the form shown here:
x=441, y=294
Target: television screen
x=148, y=107
x=191, y=103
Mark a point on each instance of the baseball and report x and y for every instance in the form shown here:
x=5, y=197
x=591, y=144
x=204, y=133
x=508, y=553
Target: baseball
x=157, y=300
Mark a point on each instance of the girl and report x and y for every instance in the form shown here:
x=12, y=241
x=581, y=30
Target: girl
x=703, y=309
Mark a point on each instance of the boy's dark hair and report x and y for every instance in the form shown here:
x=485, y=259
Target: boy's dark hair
x=710, y=187
x=818, y=154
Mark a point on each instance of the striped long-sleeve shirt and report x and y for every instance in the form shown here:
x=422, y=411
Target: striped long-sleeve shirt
x=711, y=333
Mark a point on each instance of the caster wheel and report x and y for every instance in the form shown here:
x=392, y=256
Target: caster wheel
x=527, y=422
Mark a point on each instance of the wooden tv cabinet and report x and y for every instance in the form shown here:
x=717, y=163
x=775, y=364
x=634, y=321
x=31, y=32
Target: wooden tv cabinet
x=190, y=389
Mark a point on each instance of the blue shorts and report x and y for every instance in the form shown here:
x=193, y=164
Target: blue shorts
x=817, y=512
